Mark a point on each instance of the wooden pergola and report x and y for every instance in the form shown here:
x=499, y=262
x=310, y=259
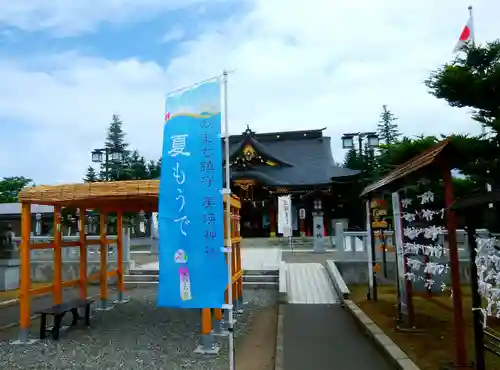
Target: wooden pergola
x=435, y=163
x=105, y=197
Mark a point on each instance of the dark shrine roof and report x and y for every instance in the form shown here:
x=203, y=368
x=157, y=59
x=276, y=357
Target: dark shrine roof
x=303, y=158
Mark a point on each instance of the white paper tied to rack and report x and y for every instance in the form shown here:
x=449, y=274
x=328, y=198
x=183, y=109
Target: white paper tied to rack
x=428, y=250
x=488, y=275
x=412, y=247
x=427, y=197
x=433, y=268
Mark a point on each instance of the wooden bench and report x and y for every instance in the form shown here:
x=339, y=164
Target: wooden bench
x=58, y=311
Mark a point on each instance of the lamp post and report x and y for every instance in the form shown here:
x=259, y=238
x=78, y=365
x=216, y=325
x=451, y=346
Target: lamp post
x=371, y=137
x=372, y=142
x=115, y=154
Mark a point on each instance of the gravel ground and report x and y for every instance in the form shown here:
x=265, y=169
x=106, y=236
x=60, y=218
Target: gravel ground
x=136, y=335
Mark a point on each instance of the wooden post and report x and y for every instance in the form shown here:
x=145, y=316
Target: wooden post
x=104, y=260
x=225, y=224
x=238, y=269
x=57, y=284
x=119, y=247
x=458, y=317
x=218, y=314
x=83, y=255
x=24, y=298
x=234, y=284
x=206, y=321
x=238, y=219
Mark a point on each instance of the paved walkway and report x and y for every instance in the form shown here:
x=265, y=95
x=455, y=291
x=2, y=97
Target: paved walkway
x=309, y=283
x=318, y=333
x=259, y=259
x=325, y=337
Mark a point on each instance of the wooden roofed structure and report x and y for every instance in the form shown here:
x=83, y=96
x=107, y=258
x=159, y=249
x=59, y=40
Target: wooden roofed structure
x=436, y=162
x=111, y=196
x=105, y=197
x=435, y=159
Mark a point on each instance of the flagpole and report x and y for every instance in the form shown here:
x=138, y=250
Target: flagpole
x=228, y=227
x=471, y=15
x=473, y=41
x=483, y=126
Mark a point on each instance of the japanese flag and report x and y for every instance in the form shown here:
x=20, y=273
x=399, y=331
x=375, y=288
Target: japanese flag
x=466, y=35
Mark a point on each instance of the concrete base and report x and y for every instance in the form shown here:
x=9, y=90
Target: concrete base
x=222, y=333
x=218, y=330
x=238, y=306
x=104, y=306
x=121, y=299
x=26, y=342
x=23, y=338
x=201, y=350
x=207, y=346
x=9, y=274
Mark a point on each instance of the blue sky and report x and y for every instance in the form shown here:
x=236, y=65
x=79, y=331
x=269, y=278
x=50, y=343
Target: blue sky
x=68, y=66
x=155, y=39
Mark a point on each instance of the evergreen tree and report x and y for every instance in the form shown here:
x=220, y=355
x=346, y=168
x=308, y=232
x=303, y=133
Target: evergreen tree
x=472, y=80
x=154, y=169
x=115, y=141
x=137, y=167
x=387, y=129
x=353, y=160
x=11, y=186
x=91, y=175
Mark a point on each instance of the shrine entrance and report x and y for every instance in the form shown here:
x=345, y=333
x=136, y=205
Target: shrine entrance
x=257, y=209
x=255, y=222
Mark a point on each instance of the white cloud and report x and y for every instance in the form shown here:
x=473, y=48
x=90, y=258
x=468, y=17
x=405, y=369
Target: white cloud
x=80, y=16
x=174, y=34
x=297, y=66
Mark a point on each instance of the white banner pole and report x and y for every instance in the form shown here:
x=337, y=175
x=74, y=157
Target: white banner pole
x=227, y=243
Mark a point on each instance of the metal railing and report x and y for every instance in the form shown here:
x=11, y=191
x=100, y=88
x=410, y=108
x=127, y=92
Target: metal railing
x=355, y=242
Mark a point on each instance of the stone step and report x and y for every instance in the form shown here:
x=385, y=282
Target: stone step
x=246, y=278
x=260, y=272
x=260, y=278
x=140, y=278
x=260, y=285
x=144, y=272
x=139, y=272
x=246, y=284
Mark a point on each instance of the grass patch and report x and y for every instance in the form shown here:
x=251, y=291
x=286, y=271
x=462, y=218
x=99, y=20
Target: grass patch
x=432, y=347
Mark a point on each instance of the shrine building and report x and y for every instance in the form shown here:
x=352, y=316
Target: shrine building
x=265, y=166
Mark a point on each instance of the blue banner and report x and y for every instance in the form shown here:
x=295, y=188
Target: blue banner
x=193, y=272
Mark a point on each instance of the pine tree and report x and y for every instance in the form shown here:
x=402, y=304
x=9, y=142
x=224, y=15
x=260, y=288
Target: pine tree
x=137, y=167
x=387, y=129
x=91, y=175
x=154, y=169
x=353, y=160
x=115, y=141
